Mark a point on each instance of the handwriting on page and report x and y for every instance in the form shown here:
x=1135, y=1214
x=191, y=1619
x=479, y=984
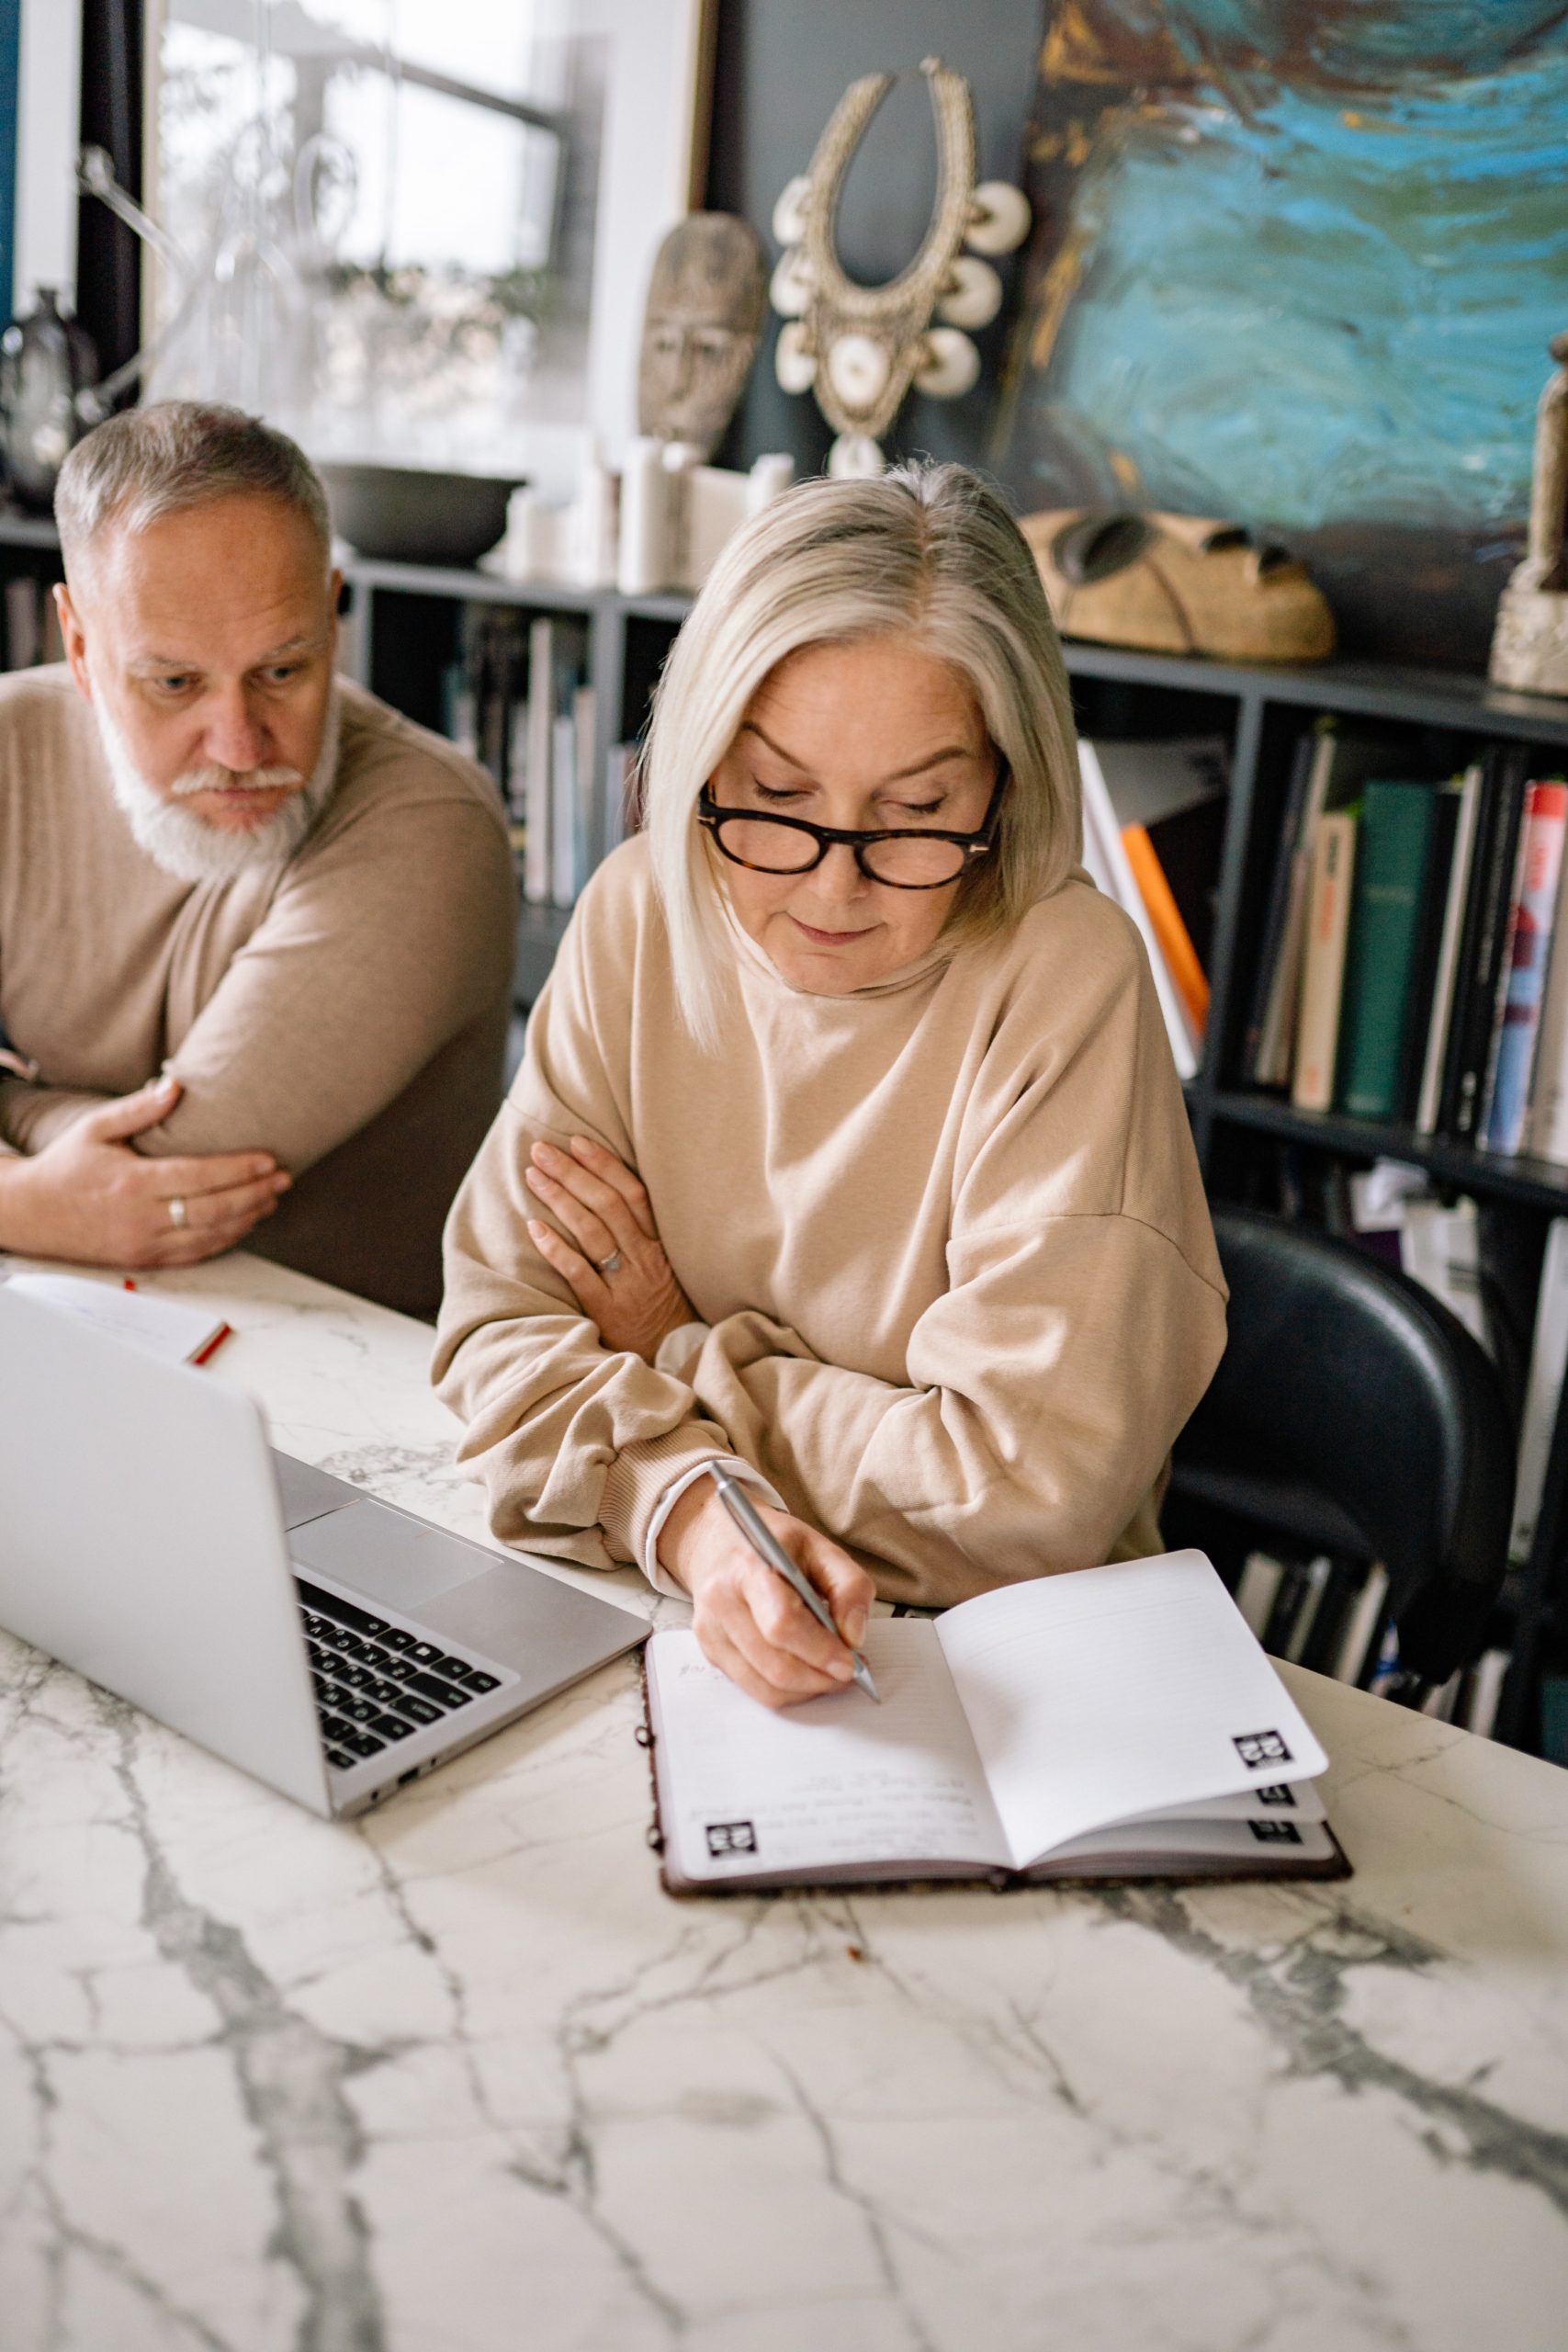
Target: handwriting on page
x=838, y=1782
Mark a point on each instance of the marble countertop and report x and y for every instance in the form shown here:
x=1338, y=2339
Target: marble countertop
x=458, y=2076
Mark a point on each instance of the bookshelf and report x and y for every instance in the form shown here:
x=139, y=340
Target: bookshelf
x=404, y=629
x=1443, y=718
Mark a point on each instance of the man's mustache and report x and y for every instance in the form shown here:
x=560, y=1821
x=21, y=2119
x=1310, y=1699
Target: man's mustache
x=215, y=779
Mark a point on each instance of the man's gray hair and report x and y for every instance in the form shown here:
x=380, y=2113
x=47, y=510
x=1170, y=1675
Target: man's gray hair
x=148, y=463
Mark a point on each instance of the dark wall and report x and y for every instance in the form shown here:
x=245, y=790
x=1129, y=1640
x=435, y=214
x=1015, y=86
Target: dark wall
x=780, y=68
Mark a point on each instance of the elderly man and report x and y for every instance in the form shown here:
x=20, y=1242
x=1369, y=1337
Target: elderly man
x=255, y=929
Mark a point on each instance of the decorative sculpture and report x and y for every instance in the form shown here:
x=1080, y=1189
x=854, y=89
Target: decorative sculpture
x=1529, y=646
x=705, y=304
x=1178, y=583
x=859, y=348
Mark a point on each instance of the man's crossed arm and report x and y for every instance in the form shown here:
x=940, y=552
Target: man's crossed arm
x=90, y=1197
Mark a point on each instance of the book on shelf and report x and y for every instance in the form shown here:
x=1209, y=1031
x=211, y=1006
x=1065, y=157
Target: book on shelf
x=1546, y=1127
x=1445, y=978
x=563, y=808
x=1261, y=1576
x=1543, y=1387
x=1105, y=856
x=1263, y=1054
x=1478, y=1711
x=1334, y=1600
x=558, y=773
x=1320, y=1613
x=1176, y=791
x=1440, y=1249
x=515, y=699
x=1382, y=951
x=1329, y=770
x=1175, y=939
x=1310, y=1592
x=1363, y=1635
x=1554, y=1718
x=1531, y=916
x=1323, y=977
x=1111, y=1722
x=1481, y=942
x=536, y=869
x=1441, y=998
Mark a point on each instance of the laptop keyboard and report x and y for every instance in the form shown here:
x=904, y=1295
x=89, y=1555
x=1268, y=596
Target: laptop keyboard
x=377, y=1683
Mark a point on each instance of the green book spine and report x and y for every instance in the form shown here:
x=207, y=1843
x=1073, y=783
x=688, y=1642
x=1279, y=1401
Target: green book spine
x=1394, y=850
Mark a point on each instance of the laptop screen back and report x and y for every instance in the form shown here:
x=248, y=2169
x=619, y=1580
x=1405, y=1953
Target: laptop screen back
x=141, y=1542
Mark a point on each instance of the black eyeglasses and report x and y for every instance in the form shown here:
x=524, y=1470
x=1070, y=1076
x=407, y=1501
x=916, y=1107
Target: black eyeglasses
x=904, y=860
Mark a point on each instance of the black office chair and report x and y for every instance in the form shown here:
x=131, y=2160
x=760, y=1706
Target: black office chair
x=1352, y=1414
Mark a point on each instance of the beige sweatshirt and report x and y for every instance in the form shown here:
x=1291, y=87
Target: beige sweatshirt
x=346, y=1011
x=947, y=1234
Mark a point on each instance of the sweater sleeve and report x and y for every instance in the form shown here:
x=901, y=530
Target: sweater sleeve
x=378, y=950
x=572, y=1440
x=1083, y=1320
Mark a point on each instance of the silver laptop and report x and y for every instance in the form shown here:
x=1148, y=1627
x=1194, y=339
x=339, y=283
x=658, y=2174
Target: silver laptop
x=333, y=1647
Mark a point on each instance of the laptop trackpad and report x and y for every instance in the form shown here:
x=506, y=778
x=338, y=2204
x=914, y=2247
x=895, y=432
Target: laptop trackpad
x=379, y=1552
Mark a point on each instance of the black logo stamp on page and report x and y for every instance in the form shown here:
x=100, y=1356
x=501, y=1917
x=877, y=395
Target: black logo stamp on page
x=1257, y=1748
x=1280, y=1793
x=1275, y=1833
x=730, y=1837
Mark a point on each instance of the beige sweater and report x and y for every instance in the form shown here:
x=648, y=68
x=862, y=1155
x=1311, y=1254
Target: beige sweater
x=346, y=1011
x=948, y=1236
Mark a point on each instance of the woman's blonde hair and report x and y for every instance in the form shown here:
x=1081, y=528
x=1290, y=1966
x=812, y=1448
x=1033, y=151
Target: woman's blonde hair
x=928, y=549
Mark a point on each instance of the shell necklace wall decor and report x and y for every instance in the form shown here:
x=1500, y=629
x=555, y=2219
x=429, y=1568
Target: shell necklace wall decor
x=860, y=347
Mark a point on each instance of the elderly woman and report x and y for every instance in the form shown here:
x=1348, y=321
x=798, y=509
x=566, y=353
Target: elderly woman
x=848, y=1148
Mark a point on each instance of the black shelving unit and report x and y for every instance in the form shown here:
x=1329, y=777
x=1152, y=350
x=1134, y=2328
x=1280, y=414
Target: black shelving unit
x=1444, y=719
x=404, y=629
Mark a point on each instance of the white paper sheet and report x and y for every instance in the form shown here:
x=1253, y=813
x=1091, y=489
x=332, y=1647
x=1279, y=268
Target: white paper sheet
x=838, y=1781
x=170, y=1328
x=1115, y=1692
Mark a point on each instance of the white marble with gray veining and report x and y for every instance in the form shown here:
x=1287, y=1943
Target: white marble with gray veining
x=459, y=2077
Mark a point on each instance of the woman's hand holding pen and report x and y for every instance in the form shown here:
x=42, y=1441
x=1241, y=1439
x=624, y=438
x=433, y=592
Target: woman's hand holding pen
x=612, y=1255
x=747, y=1621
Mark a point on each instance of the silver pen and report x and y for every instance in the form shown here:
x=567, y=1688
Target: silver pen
x=766, y=1545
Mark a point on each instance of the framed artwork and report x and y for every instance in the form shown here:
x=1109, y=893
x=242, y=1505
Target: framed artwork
x=1298, y=266
x=418, y=231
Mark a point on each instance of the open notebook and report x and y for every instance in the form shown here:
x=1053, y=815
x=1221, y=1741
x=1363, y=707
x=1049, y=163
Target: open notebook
x=1115, y=1723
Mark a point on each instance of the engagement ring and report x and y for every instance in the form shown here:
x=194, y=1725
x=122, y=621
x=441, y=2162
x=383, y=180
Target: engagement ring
x=176, y=1212
x=607, y=1265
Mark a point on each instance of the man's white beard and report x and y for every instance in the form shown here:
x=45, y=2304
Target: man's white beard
x=185, y=844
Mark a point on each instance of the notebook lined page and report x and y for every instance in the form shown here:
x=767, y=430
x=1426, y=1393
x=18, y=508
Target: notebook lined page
x=836, y=1781
x=1112, y=1693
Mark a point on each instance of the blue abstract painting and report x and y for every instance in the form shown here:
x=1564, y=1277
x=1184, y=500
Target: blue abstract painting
x=1296, y=263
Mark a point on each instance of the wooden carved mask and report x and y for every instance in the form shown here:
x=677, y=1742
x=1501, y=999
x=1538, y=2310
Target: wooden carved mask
x=701, y=328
